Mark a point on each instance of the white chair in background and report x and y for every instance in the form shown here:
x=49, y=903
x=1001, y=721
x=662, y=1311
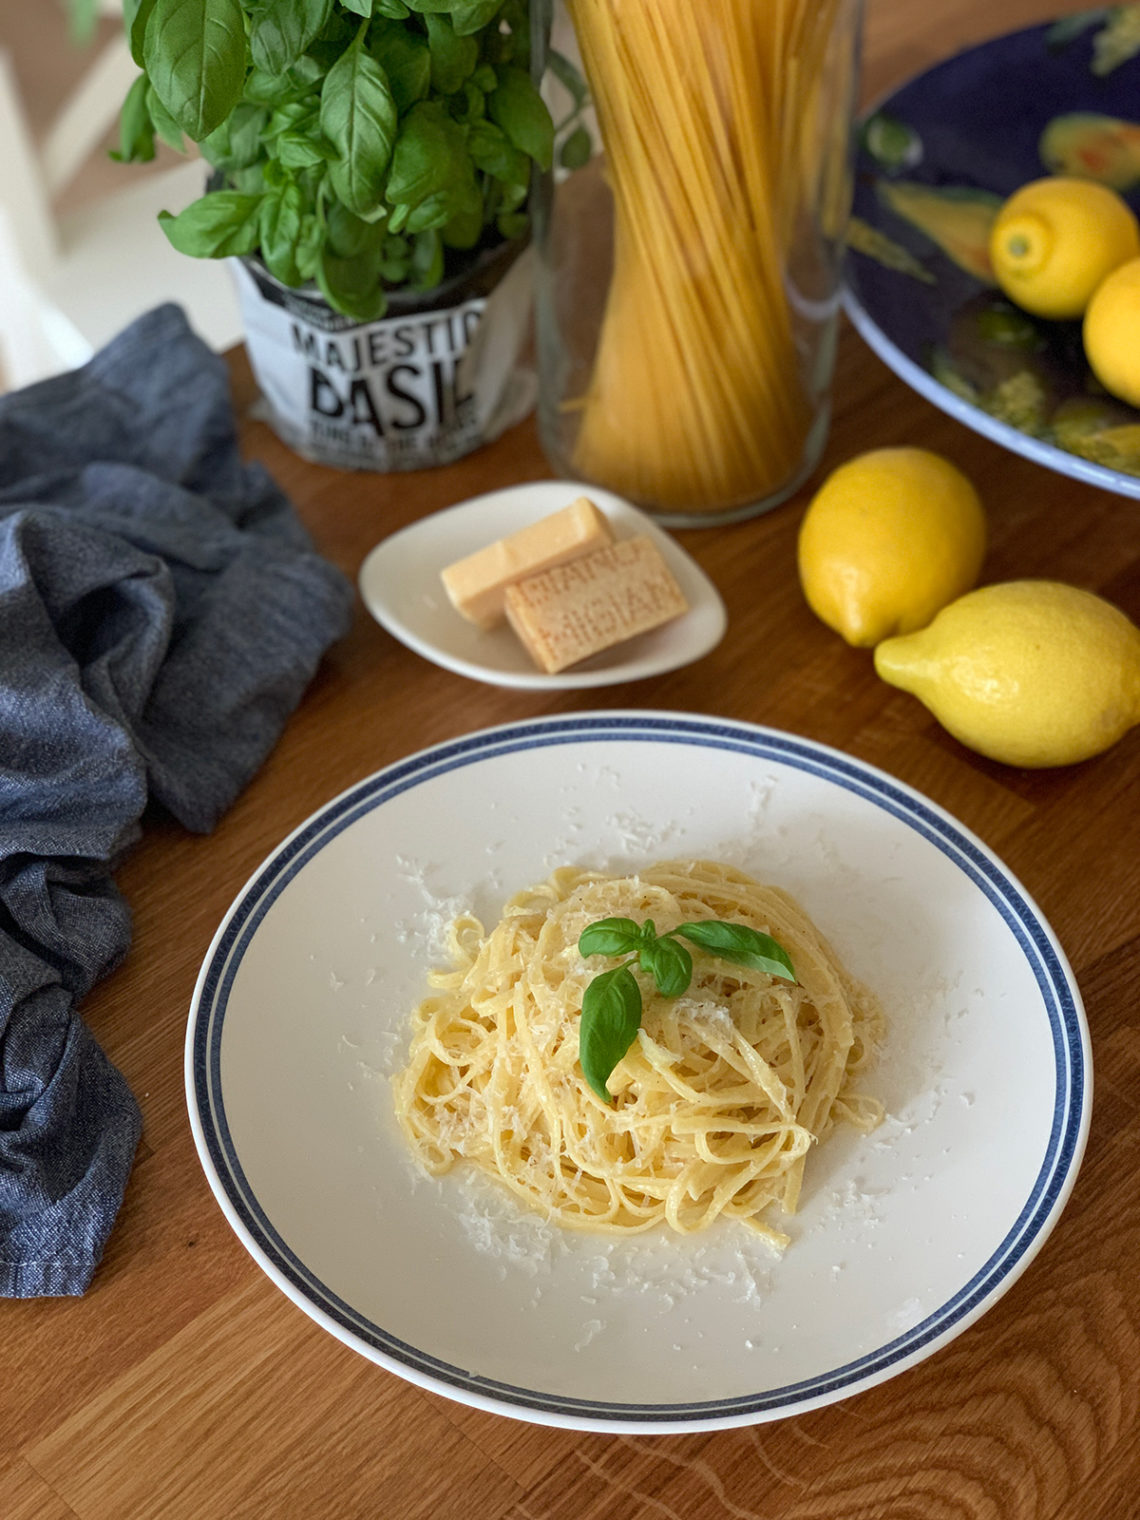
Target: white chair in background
x=69, y=282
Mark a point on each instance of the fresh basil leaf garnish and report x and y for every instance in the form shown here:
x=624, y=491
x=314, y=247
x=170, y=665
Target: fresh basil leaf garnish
x=611, y=1017
x=610, y=936
x=740, y=945
x=611, y=1004
x=669, y=964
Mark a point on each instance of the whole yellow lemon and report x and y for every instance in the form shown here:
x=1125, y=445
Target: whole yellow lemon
x=1111, y=332
x=1055, y=240
x=889, y=538
x=1032, y=673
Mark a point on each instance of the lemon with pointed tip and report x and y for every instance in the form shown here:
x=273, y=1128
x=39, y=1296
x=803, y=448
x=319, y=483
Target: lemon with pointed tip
x=1031, y=673
x=889, y=538
x=1111, y=333
x=1056, y=239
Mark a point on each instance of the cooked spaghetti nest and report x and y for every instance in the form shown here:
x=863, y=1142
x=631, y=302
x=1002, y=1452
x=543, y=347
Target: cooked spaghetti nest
x=716, y=1104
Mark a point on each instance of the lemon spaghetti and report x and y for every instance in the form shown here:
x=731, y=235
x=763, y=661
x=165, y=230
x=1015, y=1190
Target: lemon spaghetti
x=716, y=1104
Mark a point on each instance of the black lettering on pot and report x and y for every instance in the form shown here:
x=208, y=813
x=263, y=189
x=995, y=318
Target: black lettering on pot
x=364, y=412
x=323, y=399
x=399, y=394
x=304, y=342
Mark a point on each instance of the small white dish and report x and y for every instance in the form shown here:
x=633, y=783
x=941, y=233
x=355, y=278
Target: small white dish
x=400, y=585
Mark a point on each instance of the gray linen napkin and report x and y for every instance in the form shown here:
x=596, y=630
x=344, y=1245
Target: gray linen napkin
x=161, y=613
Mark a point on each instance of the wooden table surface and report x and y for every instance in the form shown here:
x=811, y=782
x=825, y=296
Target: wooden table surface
x=185, y=1384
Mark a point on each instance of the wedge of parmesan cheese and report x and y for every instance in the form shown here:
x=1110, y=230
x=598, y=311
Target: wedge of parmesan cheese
x=577, y=609
x=477, y=583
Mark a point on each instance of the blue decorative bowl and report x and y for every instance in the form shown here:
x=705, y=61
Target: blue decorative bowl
x=936, y=160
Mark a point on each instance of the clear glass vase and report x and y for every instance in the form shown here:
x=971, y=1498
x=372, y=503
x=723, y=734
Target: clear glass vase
x=690, y=240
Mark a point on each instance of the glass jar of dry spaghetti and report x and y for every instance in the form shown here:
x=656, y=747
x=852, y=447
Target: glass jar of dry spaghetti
x=690, y=239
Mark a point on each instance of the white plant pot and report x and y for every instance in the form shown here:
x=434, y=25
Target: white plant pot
x=438, y=376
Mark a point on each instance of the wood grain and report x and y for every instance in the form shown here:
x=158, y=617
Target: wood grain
x=185, y=1385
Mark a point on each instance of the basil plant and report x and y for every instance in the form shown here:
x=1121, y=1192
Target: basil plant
x=366, y=145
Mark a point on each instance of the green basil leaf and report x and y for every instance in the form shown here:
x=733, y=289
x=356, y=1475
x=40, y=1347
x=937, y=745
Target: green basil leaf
x=494, y=154
x=272, y=89
x=611, y=1017
x=464, y=228
x=392, y=10
x=432, y=172
x=280, y=33
x=359, y=7
x=136, y=130
x=511, y=198
x=249, y=181
x=164, y=124
x=300, y=150
x=432, y=212
x=484, y=78
x=348, y=235
x=473, y=15
x=474, y=102
x=453, y=58
x=291, y=116
x=396, y=260
x=276, y=175
x=359, y=118
x=425, y=269
x=136, y=14
x=406, y=60
x=310, y=244
x=308, y=69
x=237, y=142
x=395, y=271
x=512, y=224
x=467, y=16
x=222, y=224
x=282, y=211
x=577, y=150
x=194, y=52
x=610, y=936
x=352, y=286
x=669, y=964
x=740, y=945
x=569, y=78
x=520, y=110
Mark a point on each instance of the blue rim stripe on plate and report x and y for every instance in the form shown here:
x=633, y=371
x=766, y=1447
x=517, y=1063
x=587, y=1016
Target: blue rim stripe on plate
x=1033, y=939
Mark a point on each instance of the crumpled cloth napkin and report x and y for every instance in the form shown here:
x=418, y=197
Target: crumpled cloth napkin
x=161, y=613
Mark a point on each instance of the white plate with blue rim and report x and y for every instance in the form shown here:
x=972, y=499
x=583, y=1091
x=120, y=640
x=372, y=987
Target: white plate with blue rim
x=904, y=1237
x=400, y=585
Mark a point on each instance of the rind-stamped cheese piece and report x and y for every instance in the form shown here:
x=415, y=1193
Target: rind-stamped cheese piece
x=577, y=609
x=477, y=583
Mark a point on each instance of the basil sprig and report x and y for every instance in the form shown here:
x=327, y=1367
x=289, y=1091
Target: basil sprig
x=612, y=1006
x=366, y=146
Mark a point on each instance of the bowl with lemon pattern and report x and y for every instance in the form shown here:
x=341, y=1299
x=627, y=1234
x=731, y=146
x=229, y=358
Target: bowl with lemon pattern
x=937, y=160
